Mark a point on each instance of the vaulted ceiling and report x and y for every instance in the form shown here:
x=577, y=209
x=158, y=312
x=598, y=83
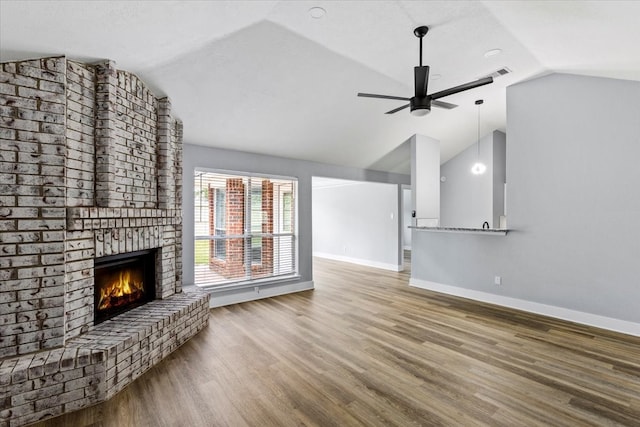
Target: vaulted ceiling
x=267, y=77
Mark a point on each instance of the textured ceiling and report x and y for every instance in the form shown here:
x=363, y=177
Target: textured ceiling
x=265, y=77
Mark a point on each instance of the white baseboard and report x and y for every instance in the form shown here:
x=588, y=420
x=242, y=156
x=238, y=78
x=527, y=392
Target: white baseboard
x=359, y=261
x=598, y=321
x=234, y=296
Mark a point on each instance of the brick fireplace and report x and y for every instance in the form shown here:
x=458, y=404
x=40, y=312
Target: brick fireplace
x=90, y=167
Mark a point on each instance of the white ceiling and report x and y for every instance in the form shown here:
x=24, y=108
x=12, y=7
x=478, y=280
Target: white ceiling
x=265, y=77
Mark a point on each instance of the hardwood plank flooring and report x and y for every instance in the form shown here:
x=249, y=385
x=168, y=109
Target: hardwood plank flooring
x=365, y=349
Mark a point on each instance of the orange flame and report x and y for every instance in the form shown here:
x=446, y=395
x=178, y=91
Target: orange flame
x=121, y=290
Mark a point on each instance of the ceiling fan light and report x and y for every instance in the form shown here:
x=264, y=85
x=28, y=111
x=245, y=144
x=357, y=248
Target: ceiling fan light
x=419, y=112
x=420, y=106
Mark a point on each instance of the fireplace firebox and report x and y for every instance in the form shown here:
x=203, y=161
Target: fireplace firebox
x=123, y=282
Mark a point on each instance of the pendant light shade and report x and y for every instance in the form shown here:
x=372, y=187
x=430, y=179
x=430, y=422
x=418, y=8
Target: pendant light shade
x=478, y=167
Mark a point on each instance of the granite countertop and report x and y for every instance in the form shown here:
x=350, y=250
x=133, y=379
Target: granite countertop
x=494, y=231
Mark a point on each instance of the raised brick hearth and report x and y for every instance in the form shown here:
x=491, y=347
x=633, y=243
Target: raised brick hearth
x=90, y=166
x=96, y=365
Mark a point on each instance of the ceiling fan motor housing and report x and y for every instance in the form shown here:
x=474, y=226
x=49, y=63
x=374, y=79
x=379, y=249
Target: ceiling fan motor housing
x=420, y=106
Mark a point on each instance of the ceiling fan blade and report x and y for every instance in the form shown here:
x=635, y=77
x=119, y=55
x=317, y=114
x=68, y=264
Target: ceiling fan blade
x=421, y=80
x=395, y=110
x=373, y=95
x=462, y=88
x=442, y=104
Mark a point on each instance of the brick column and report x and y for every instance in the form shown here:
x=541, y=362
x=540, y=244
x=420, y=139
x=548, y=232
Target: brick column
x=166, y=152
x=177, y=160
x=235, y=226
x=211, y=194
x=267, y=226
x=81, y=116
x=105, y=134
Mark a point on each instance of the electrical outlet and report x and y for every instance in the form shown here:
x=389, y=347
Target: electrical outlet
x=497, y=280
x=256, y=289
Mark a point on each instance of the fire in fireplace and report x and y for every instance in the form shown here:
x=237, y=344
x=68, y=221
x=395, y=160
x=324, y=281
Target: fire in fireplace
x=123, y=282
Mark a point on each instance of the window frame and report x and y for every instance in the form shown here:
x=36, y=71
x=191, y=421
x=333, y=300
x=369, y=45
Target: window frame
x=282, y=269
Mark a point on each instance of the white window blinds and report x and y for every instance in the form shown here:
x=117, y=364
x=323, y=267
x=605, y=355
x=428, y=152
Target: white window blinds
x=245, y=228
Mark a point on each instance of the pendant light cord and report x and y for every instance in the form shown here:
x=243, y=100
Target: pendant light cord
x=478, y=103
x=478, y=139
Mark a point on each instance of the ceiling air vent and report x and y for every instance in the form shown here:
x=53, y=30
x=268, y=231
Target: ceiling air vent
x=499, y=73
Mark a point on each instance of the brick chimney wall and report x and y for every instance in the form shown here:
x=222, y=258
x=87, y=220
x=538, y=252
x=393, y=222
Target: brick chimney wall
x=90, y=166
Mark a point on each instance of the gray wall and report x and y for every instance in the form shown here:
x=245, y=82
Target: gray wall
x=468, y=200
x=499, y=176
x=357, y=222
x=573, y=202
x=406, y=218
x=218, y=159
x=425, y=178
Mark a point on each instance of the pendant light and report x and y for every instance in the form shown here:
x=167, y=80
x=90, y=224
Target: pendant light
x=478, y=167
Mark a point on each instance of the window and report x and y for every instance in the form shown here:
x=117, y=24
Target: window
x=256, y=225
x=219, y=212
x=244, y=228
x=286, y=212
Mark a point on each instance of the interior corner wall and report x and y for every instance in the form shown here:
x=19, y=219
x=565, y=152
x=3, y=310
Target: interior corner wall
x=572, y=201
x=357, y=222
x=220, y=159
x=406, y=218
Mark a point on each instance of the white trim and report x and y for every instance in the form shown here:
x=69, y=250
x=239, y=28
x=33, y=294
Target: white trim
x=359, y=261
x=598, y=321
x=234, y=296
x=241, y=174
x=271, y=280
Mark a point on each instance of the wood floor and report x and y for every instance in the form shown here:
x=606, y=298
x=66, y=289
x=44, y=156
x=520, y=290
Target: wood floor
x=365, y=349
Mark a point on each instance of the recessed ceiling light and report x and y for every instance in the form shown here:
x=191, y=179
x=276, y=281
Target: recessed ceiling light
x=435, y=76
x=317, y=12
x=492, y=52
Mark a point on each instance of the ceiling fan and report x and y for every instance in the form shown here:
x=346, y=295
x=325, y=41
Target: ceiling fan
x=421, y=103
